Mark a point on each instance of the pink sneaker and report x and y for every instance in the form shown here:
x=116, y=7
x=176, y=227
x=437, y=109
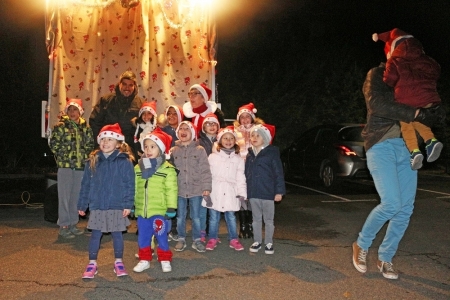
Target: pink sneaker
x=236, y=245
x=119, y=269
x=212, y=243
x=90, y=271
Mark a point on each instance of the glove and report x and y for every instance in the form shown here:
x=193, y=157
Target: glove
x=208, y=201
x=170, y=213
x=243, y=202
x=431, y=116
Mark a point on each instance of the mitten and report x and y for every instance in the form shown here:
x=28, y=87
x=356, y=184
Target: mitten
x=170, y=213
x=431, y=116
x=243, y=202
x=208, y=201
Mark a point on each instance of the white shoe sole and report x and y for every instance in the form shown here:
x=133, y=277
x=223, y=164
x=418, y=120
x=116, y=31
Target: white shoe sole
x=436, y=152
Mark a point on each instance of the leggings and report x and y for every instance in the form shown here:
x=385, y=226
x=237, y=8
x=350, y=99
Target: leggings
x=94, y=244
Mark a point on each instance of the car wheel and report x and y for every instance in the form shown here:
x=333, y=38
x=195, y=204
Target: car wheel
x=327, y=175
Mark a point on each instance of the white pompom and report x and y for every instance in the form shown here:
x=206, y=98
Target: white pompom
x=375, y=37
x=255, y=110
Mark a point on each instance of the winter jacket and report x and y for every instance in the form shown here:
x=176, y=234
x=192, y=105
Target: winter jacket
x=206, y=142
x=157, y=193
x=413, y=75
x=141, y=129
x=264, y=174
x=110, y=186
x=194, y=175
x=243, y=135
x=116, y=108
x=228, y=180
x=382, y=110
x=170, y=131
x=71, y=143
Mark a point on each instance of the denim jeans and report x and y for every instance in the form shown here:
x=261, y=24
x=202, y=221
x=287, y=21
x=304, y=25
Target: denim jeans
x=203, y=218
x=396, y=184
x=195, y=203
x=214, y=221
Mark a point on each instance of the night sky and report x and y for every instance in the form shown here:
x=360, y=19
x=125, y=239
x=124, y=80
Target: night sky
x=251, y=34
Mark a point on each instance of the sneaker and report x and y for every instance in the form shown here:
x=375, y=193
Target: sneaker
x=269, y=248
x=416, y=159
x=166, y=267
x=433, y=148
x=359, y=258
x=141, y=266
x=255, y=247
x=387, y=269
x=119, y=269
x=180, y=245
x=87, y=231
x=173, y=237
x=90, y=272
x=236, y=245
x=212, y=243
x=65, y=233
x=198, y=245
x=203, y=236
x=74, y=229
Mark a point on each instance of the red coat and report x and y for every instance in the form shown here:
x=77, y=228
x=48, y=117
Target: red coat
x=412, y=74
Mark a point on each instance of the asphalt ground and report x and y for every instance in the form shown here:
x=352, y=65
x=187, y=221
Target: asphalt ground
x=312, y=258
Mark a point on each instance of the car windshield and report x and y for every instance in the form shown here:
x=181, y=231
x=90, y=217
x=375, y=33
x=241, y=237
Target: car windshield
x=352, y=134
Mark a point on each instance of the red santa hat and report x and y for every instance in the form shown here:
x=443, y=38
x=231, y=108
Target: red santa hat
x=228, y=129
x=191, y=127
x=111, y=131
x=390, y=38
x=78, y=103
x=149, y=106
x=266, y=131
x=162, y=139
x=203, y=89
x=247, y=108
x=179, y=111
x=211, y=117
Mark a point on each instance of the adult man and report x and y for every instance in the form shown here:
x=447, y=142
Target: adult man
x=388, y=162
x=118, y=107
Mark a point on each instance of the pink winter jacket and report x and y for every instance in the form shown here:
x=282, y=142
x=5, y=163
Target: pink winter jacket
x=228, y=180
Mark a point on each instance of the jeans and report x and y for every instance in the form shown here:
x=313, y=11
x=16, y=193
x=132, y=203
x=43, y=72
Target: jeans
x=263, y=209
x=396, y=184
x=195, y=203
x=203, y=218
x=214, y=221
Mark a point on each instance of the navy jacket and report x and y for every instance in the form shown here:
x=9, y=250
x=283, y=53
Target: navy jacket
x=110, y=186
x=264, y=174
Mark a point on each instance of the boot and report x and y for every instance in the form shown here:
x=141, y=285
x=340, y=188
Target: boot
x=242, y=227
x=249, y=224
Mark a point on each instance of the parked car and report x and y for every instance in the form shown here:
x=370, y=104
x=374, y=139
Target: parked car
x=327, y=152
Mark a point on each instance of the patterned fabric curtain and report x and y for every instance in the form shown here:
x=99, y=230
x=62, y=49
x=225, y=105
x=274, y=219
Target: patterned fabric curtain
x=168, y=44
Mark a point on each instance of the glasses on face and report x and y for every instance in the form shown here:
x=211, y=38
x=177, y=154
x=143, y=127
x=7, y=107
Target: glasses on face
x=210, y=124
x=192, y=94
x=171, y=114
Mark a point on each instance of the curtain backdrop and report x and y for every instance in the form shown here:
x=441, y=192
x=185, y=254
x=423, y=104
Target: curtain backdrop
x=167, y=44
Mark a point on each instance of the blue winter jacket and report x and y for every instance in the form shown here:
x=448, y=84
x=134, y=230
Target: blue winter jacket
x=264, y=174
x=110, y=186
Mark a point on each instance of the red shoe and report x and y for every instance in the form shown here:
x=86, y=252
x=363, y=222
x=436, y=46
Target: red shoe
x=212, y=243
x=90, y=272
x=119, y=269
x=236, y=245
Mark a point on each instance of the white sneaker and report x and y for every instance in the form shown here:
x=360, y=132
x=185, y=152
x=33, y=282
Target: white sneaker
x=166, y=267
x=141, y=266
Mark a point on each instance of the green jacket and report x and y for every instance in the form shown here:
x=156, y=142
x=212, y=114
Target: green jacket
x=71, y=143
x=156, y=194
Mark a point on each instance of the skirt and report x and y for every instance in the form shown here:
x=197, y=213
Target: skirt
x=108, y=220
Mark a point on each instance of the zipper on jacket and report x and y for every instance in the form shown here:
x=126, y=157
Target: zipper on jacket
x=145, y=198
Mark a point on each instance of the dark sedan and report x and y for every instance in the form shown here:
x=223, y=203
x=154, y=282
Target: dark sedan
x=327, y=152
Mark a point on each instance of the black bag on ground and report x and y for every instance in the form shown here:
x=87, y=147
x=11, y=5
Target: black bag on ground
x=51, y=204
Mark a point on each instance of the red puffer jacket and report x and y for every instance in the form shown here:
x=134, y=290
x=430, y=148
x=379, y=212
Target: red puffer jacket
x=412, y=74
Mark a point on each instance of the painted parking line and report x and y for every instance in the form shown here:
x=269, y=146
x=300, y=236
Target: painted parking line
x=341, y=199
x=447, y=195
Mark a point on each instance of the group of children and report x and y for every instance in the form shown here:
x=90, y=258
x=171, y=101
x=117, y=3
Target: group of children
x=212, y=173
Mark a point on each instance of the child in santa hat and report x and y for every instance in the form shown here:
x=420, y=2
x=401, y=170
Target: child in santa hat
x=156, y=198
x=71, y=142
x=229, y=188
x=145, y=123
x=245, y=120
x=265, y=184
x=172, y=116
x=107, y=189
x=194, y=183
x=413, y=75
x=208, y=134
